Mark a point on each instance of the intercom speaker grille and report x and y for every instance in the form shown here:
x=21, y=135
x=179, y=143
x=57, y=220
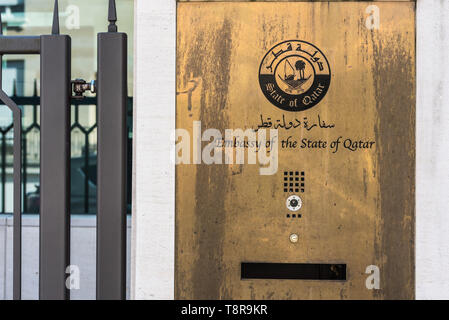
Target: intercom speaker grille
x=294, y=181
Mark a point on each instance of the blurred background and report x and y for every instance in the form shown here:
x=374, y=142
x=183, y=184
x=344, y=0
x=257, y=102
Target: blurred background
x=82, y=20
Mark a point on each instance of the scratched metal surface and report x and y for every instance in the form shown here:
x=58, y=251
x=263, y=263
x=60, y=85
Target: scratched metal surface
x=358, y=205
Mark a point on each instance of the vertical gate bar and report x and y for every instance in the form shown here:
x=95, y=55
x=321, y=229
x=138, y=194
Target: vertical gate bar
x=3, y=154
x=3, y=172
x=17, y=225
x=17, y=214
x=24, y=171
x=55, y=165
x=86, y=178
x=111, y=171
x=17, y=167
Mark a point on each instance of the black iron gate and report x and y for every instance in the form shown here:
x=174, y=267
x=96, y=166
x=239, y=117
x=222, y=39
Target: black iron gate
x=57, y=92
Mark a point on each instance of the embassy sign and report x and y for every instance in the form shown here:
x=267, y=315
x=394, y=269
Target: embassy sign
x=294, y=75
x=332, y=211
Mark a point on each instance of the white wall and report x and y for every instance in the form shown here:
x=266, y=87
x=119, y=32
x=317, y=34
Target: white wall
x=154, y=114
x=432, y=139
x=83, y=251
x=2, y=256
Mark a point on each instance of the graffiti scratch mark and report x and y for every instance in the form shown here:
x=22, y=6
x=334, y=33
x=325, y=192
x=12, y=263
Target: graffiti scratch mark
x=189, y=91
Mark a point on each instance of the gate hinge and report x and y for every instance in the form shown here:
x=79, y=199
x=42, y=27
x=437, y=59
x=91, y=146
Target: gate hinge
x=79, y=86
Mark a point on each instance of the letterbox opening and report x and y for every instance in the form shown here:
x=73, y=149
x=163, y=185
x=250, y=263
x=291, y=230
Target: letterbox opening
x=293, y=271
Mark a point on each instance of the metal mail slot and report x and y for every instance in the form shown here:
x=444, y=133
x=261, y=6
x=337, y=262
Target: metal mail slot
x=293, y=271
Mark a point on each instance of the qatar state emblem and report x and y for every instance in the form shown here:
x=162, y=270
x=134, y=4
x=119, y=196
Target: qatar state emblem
x=294, y=75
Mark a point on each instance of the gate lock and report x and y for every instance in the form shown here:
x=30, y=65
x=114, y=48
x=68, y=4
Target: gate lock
x=79, y=86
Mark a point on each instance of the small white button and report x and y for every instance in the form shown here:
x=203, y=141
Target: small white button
x=294, y=238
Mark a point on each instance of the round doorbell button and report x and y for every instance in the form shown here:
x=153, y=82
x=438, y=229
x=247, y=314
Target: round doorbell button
x=294, y=203
x=294, y=238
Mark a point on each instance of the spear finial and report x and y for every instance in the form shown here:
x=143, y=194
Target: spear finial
x=55, y=26
x=112, y=16
x=14, y=88
x=35, y=88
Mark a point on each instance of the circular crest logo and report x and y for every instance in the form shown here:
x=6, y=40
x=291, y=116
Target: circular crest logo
x=294, y=75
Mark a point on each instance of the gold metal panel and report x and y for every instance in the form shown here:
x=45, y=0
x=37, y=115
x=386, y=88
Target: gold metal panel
x=358, y=203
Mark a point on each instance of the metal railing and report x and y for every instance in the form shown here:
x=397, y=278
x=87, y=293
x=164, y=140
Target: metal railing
x=56, y=97
x=83, y=197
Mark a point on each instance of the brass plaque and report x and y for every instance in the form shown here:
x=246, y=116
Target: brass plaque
x=328, y=213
